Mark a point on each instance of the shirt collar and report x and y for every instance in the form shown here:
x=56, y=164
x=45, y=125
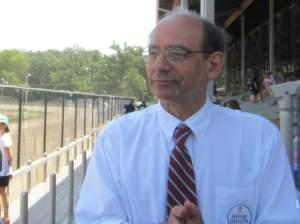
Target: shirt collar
x=198, y=122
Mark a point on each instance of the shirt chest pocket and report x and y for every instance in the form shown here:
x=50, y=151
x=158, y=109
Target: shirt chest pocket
x=235, y=205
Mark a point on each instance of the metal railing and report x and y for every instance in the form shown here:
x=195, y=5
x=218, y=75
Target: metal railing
x=288, y=98
x=43, y=119
x=48, y=127
x=86, y=143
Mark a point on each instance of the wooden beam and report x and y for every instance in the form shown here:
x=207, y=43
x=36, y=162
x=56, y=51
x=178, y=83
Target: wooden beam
x=236, y=14
x=163, y=10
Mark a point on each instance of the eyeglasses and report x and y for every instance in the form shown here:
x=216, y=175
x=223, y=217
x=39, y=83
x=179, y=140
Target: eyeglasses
x=173, y=54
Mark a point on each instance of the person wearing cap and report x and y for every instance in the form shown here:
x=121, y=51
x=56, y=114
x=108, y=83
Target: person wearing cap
x=5, y=164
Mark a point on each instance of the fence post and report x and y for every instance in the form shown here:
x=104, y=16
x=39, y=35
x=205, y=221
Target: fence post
x=71, y=188
x=88, y=143
x=52, y=198
x=83, y=164
x=82, y=144
x=24, y=208
x=67, y=153
x=94, y=140
x=286, y=124
x=28, y=177
x=57, y=162
x=75, y=150
x=45, y=167
x=19, y=129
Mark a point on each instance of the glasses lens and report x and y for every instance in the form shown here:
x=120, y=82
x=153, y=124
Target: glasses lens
x=152, y=52
x=176, y=54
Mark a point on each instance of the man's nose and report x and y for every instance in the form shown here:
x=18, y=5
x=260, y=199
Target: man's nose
x=161, y=62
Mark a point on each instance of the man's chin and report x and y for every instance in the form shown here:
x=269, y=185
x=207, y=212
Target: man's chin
x=165, y=96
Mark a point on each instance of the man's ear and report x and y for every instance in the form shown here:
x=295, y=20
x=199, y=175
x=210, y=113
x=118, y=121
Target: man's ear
x=215, y=64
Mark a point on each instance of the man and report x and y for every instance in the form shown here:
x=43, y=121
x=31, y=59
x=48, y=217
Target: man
x=130, y=107
x=186, y=160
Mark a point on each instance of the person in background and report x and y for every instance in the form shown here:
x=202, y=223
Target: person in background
x=5, y=166
x=267, y=82
x=256, y=86
x=130, y=107
x=143, y=105
x=233, y=104
x=185, y=159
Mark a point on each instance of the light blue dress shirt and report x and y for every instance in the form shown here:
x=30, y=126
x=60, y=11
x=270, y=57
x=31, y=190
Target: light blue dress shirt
x=241, y=169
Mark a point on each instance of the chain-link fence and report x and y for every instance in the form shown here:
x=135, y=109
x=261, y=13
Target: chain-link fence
x=42, y=120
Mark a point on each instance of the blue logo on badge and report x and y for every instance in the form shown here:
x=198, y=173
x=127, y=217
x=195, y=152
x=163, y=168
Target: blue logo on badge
x=239, y=214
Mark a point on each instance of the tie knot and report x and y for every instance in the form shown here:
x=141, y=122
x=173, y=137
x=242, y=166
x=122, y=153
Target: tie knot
x=181, y=134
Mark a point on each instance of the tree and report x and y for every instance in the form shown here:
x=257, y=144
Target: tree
x=14, y=66
x=77, y=69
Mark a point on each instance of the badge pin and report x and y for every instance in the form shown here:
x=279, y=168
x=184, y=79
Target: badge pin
x=239, y=214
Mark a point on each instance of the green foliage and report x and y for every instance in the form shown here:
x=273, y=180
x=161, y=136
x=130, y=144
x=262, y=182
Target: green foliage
x=77, y=69
x=14, y=66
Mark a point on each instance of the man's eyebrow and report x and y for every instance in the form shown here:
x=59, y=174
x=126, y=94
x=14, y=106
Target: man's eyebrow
x=152, y=46
x=169, y=46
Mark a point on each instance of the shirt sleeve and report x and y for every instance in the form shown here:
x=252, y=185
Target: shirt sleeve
x=100, y=199
x=277, y=201
x=7, y=141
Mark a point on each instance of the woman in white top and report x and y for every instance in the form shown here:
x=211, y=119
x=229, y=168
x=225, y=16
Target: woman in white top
x=5, y=164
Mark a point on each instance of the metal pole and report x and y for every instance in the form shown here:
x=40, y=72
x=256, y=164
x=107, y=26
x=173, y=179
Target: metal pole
x=84, y=117
x=286, y=124
x=52, y=198
x=71, y=189
x=103, y=110
x=243, y=54
x=28, y=177
x=75, y=125
x=57, y=162
x=108, y=108
x=75, y=117
x=111, y=107
x=19, y=129
x=98, y=113
x=92, y=113
x=67, y=155
x=45, y=122
x=84, y=163
x=62, y=120
x=271, y=35
x=24, y=208
x=45, y=167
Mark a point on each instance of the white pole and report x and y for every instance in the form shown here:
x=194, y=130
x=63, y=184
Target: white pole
x=286, y=124
x=52, y=198
x=24, y=208
x=71, y=189
x=207, y=10
x=184, y=4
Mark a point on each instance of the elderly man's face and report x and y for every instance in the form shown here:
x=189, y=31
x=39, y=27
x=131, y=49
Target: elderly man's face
x=174, y=76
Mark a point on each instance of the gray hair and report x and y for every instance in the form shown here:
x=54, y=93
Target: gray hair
x=213, y=36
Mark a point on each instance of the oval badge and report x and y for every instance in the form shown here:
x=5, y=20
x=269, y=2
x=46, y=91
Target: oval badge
x=239, y=214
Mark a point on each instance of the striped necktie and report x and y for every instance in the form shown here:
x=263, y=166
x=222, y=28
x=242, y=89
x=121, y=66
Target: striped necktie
x=181, y=181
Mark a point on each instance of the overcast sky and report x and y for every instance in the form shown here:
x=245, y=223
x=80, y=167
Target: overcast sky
x=91, y=24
